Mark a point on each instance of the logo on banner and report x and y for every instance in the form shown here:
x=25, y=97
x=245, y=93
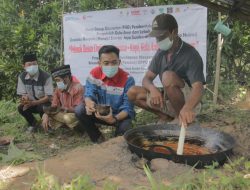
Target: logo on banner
x=177, y=10
x=169, y=9
x=135, y=12
x=152, y=11
x=161, y=10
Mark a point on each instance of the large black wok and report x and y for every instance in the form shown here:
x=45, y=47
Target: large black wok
x=220, y=143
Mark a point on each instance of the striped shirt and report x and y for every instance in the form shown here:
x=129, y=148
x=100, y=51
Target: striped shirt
x=70, y=98
x=111, y=91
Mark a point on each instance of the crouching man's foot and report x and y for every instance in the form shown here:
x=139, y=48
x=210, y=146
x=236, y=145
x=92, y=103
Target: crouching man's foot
x=164, y=119
x=101, y=139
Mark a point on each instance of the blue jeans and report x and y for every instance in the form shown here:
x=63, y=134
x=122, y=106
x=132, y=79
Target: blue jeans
x=88, y=122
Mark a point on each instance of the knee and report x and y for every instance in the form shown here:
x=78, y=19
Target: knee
x=20, y=109
x=132, y=93
x=171, y=79
x=124, y=126
x=79, y=110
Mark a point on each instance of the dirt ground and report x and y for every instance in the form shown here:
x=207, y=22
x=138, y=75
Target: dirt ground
x=110, y=161
x=113, y=161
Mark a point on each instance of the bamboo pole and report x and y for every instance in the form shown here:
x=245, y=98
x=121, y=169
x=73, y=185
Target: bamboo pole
x=61, y=41
x=218, y=63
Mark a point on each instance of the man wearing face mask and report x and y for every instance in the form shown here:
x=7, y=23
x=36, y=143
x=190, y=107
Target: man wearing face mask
x=180, y=69
x=67, y=95
x=35, y=88
x=107, y=84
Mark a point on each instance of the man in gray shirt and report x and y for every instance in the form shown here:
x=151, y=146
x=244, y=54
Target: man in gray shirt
x=180, y=69
x=35, y=89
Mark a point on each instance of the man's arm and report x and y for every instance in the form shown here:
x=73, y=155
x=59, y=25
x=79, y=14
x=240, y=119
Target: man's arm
x=77, y=99
x=187, y=114
x=147, y=81
x=45, y=99
x=155, y=94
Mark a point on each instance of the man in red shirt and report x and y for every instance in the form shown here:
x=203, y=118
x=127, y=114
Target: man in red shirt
x=67, y=95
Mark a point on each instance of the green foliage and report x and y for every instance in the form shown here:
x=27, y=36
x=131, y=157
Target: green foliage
x=45, y=182
x=17, y=156
x=36, y=26
x=230, y=178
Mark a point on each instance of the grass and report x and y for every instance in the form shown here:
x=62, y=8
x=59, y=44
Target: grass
x=231, y=176
x=12, y=124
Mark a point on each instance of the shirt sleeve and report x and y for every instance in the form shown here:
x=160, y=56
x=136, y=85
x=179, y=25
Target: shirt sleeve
x=56, y=99
x=195, y=68
x=48, y=87
x=78, y=96
x=21, y=87
x=154, y=65
x=128, y=106
x=90, y=88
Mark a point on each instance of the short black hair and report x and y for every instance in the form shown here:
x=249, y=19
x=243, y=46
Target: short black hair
x=108, y=49
x=29, y=56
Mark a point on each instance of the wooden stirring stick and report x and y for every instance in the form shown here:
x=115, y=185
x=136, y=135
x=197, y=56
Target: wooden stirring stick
x=181, y=140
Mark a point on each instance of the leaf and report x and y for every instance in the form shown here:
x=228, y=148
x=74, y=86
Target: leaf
x=247, y=165
x=17, y=156
x=150, y=177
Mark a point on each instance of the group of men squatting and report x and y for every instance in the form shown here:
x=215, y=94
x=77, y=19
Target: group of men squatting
x=178, y=65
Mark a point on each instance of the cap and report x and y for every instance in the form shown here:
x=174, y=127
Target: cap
x=162, y=23
x=29, y=57
x=61, y=71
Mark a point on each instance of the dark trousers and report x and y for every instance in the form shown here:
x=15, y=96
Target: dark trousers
x=88, y=122
x=28, y=113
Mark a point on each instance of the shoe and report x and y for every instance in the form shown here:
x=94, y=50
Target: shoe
x=31, y=129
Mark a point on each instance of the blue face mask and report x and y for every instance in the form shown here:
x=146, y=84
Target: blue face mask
x=165, y=44
x=32, y=70
x=110, y=71
x=61, y=85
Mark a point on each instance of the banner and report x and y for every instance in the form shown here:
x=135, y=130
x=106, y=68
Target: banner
x=85, y=33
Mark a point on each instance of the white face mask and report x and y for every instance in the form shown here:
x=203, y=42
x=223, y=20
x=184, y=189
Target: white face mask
x=165, y=44
x=61, y=85
x=32, y=70
x=110, y=71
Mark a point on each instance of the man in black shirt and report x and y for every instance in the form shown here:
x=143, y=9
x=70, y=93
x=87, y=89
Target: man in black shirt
x=180, y=69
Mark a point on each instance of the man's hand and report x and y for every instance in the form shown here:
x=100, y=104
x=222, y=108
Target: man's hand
x=186, y=116
x=24, y=99
x=90, y=106
x=108, y=118
x=45, y=122
x=156, y=98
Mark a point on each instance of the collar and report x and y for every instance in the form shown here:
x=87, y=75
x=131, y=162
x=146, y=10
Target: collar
x=35, y=77
x=180, y=45
x=115, y=78
x=178, y=48
x=70, y=87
